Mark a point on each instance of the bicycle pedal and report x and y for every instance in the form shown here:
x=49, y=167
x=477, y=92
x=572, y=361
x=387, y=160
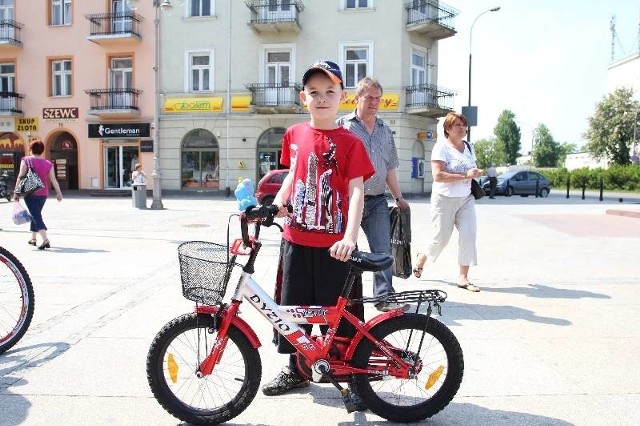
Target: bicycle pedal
x=349, y=403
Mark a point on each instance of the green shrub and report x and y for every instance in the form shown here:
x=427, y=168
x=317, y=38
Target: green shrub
x=615, y=178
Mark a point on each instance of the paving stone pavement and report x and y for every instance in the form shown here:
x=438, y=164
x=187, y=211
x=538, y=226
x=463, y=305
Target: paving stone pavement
x=552, y=338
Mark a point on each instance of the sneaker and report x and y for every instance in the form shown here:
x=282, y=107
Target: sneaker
x=391, y=306
x=357, y=404
x=284, y=382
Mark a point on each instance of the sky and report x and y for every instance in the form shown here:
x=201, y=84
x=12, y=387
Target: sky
x=544, y=60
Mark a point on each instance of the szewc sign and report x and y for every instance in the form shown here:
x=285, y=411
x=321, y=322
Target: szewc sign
x=119, y=130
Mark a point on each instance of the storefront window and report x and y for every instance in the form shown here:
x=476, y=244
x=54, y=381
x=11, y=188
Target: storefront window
x=200, y=161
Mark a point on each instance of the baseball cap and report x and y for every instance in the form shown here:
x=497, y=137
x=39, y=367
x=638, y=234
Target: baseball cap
x=331, y=69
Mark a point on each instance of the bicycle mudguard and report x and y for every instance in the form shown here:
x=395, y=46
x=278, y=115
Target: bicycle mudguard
x=238, y=322
x=369, y=325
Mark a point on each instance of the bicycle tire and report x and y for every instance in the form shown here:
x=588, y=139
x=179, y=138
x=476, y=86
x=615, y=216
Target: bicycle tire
x=17, y=300
x=440, y=360
x=172, y=362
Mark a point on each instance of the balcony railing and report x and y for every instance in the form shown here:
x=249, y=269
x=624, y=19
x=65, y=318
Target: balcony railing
x=431, y=18
x=10, y=103
x=429, y=100
x=118, y=25
x=275, y=97
x=113, y=101
x=275, y=16
x=10, y=32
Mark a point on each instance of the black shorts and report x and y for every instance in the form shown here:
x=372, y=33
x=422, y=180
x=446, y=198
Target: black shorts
x=310, y=276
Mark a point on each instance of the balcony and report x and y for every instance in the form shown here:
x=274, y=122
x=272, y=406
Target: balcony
x=429, y=100
x=430, y=18
x=11, y=103
x=114, y=102
x=10, y=33
x=275, y=16
x=275, y=98
x=108, y=28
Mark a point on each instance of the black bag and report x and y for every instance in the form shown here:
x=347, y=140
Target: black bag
x=29, y=183
x=476, y=189
x=401, y=242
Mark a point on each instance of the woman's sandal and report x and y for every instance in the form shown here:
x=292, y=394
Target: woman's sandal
x=470, y=287
x=417, y=271
x=44, y=245
x=32, y=242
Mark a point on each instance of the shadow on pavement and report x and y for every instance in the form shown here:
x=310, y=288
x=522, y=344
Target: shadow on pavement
x=546, y=292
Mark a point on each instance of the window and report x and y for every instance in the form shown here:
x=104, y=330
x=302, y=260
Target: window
x=356, y=64
x=60, y=12
x=418, y=68
x=200, y=72
x=200, y=8
x=61, y=78
x=357, y=4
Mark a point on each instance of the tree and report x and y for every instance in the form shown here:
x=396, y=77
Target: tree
x=546, y=151
x=508, y=135
x=566, y=148
x=610, y=133
x=489, y=151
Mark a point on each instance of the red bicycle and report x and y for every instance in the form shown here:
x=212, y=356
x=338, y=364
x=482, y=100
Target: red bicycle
x=204, y=367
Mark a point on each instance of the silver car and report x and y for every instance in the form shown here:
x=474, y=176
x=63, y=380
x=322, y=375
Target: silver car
x=522, y=183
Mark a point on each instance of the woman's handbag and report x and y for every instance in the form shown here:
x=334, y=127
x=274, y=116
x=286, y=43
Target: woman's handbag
x=400, y=242
x=29, y=183
x=476, y=189
x=20, y=214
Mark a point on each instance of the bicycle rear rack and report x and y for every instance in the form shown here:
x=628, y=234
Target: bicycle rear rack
x=433, y=297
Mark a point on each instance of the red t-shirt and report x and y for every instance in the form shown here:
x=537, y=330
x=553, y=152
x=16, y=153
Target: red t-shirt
x=322, y=162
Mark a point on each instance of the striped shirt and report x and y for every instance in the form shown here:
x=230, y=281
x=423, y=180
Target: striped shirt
x=381, y=148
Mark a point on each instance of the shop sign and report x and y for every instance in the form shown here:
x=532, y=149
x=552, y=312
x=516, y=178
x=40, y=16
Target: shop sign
x=71, y=113
x=388, y=102
x=240, y=103
x=7, y=124
x=119, y=130
x=193, y=105
x=146, y=146
x=27, y=124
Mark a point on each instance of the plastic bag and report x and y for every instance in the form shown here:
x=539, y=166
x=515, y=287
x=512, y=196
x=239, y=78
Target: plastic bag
x=401, y=242
x=20, y=214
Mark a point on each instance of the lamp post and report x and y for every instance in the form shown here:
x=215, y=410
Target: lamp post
x=495, y=9
x=158, y=5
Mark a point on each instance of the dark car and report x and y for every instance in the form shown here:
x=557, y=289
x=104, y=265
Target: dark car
x=520, y=183
x=269, y=185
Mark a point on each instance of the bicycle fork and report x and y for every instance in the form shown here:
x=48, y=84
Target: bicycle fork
x=206, y=366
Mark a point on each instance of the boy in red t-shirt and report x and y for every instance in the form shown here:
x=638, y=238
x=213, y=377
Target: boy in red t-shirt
x=328, y=165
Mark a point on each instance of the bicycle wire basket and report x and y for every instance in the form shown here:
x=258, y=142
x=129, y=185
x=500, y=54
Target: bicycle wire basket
x=205, y=269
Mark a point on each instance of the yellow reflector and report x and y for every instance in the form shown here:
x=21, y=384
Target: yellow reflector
x=433, y=377
x=173, y=368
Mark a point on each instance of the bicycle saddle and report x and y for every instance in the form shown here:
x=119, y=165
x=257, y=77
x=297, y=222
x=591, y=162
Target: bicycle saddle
x=370, y=261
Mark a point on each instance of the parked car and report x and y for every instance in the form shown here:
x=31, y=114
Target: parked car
x=482, y=179
x=522, y=183
x=269, y=186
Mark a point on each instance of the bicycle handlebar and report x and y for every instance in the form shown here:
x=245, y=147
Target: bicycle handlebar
x=261, y=215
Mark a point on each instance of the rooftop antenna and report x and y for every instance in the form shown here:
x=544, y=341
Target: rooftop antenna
x=613, y=36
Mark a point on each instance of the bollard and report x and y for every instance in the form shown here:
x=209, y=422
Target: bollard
x=537, y=188
x=506, y=189
x=601, y=188
x=584, y=186
x=568, y=184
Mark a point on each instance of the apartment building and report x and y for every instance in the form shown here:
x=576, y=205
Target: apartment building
x=82, y=76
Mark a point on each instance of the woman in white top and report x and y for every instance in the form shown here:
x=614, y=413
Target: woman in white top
x=453, y=165
x=138, y=175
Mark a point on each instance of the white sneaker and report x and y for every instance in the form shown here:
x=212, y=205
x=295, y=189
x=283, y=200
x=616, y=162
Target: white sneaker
x=391, y=306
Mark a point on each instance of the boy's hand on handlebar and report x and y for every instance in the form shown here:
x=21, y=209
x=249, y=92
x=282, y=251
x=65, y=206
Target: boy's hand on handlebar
x=282, y=210
x=342, y=249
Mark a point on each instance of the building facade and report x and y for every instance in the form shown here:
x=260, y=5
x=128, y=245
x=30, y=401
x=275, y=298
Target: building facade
x=222, y=81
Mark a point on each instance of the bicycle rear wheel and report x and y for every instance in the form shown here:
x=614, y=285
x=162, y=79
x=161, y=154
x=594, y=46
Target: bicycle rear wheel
x=438, y=368
x=17, y=301
x=172, y=367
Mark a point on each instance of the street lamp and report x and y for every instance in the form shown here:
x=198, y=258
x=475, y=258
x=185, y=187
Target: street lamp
x=495, y=9
x=158, y=5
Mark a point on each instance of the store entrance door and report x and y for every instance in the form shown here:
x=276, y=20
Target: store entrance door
x=119, y=162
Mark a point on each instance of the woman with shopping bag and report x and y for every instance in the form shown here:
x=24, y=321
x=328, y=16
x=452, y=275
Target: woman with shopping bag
x=35, y=200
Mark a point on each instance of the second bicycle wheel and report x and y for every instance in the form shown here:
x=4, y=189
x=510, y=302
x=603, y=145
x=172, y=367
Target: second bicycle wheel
x=172, y=371
x=17, y=301
x=434, y=351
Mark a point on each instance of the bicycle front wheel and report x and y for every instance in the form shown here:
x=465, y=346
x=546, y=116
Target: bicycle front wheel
x=17, y=301
x=434, y=352
x=172, y=371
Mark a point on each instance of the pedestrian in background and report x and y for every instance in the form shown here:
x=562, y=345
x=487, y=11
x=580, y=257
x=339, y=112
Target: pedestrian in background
x=493, y=180
x=35, y=201
x=378, y=140
x=137, y=176
x=453, y=165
